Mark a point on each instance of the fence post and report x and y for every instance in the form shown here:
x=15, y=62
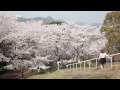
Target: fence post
x=84, y=65
x=67, y=68
x=58, y=67
x=70, y=67
x=73, y=67
x=111, y=62
x=89, y=64
x=76, y=66
x=96, y=63
x=80, y=66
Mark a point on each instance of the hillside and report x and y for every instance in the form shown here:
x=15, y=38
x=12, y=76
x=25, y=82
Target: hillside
x=37, y=45
x=51, y=19
x=45, y=20
x=93, y=73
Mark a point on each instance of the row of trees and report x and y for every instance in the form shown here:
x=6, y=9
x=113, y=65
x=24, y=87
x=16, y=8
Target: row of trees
x=26, y=40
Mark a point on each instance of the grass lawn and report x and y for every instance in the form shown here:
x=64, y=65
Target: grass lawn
x=100, y=76
x=70, y=75
x=57, y=74
x=85, y=74
x=53, y=75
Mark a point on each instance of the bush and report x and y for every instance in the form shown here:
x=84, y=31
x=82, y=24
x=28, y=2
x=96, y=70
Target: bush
x=117, y=58
x=58, y=23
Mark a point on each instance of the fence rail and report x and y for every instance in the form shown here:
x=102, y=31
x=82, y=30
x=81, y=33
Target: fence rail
x=74, y=66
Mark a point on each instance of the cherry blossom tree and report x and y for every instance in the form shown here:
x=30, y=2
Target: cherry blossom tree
x=66, y=40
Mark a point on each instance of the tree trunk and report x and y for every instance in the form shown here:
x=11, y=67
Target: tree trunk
x=22, y=72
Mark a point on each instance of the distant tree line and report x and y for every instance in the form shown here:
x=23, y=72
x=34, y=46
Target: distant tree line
x=56, y=22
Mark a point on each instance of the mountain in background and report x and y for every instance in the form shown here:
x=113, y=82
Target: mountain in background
x=45, y=20
x=92, y=24
x=50, y=19
x=81, y=23
x=95, y=24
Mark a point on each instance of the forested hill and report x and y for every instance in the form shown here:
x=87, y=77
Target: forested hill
x=45, y=20
x=111, y=27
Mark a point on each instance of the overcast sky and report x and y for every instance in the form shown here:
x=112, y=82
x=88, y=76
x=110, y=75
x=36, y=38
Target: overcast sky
x=74, y=16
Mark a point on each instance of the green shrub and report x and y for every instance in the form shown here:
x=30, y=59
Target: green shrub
x=57, y=22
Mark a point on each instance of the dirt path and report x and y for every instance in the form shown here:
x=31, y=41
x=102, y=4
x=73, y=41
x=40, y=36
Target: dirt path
x=11, y=74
